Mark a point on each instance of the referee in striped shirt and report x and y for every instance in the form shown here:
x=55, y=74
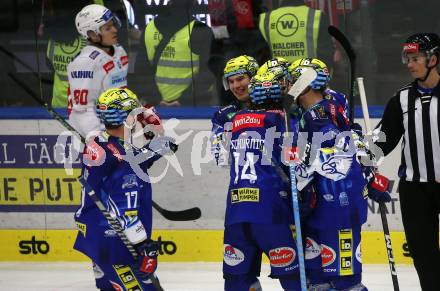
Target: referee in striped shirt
x=414, y=113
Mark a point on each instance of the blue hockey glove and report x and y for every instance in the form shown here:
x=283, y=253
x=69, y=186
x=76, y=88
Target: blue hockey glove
x=378, y=188
x=307, y=200
x=147, y=259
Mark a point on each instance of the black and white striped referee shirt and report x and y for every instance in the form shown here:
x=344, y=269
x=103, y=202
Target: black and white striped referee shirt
x=415, y=115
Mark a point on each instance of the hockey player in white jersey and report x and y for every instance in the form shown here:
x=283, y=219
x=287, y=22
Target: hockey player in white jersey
x=101, y=65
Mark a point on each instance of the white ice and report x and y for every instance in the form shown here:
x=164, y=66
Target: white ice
x=173, y=276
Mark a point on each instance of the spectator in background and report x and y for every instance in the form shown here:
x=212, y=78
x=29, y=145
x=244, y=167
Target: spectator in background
x=295, y=31
x=234, y=23
x=178, y=49
x=64, y=43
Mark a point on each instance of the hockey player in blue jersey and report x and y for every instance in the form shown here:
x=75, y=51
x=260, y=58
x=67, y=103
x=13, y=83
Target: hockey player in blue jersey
x=331, y=177
x=343, y=108
x=237, y=75
x=124, y=191
x=258, y=215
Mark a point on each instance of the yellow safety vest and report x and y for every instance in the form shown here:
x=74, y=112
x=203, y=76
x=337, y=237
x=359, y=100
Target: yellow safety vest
x=176, y=65
x=291, y=32
x=60, y=55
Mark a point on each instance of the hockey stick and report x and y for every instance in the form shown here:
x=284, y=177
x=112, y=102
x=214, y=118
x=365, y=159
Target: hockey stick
x=183, y=215
x=116, y=226
x=382, y=207
x=24, y=64
x=303, y=82
x=345, y=43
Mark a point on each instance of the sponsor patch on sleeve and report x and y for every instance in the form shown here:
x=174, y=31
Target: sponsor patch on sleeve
x=93, y=55
x=108, y=66
x=124, y=60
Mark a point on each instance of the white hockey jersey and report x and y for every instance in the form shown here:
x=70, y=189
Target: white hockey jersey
x=92, y=72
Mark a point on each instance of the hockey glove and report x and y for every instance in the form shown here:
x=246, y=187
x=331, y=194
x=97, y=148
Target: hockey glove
x=150, y=120
x=147, y=259
x=307, y=199
x=378, y=188
x=162, y=145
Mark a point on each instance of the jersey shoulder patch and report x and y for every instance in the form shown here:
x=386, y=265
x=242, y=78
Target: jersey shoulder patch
x=94, y=54
x=81, y=62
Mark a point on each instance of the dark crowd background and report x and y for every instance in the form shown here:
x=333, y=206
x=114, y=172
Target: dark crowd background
x=222, y=29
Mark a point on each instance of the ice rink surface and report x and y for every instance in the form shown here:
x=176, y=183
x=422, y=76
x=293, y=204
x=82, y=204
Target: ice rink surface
x=174, y=277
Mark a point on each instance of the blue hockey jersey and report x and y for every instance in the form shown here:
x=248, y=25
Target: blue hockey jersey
x=257, y=192
x=332, y=166
x=221, y=127
x=126, y=196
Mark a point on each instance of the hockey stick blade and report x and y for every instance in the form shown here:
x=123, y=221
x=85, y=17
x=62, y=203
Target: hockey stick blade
x=307, y=77
x=181, y=215
x=345, y=43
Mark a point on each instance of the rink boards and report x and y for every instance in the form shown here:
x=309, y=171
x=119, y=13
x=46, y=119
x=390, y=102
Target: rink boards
x=38, y=197
x=176, y=246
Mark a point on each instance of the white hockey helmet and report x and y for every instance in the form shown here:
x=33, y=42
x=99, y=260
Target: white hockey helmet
x=92, y=17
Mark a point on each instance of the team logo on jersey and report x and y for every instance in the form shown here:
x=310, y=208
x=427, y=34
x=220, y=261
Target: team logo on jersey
x=247, y=120
x=335, y=167
x=232, y=256
x=245, y=195
x=281, y=257
x=328, y=255
x=313, y=250
x=129, y=181
x=108, y=66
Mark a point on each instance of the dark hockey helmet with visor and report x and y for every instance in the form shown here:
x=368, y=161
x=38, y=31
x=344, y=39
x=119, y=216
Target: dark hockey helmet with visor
x=426, y=43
